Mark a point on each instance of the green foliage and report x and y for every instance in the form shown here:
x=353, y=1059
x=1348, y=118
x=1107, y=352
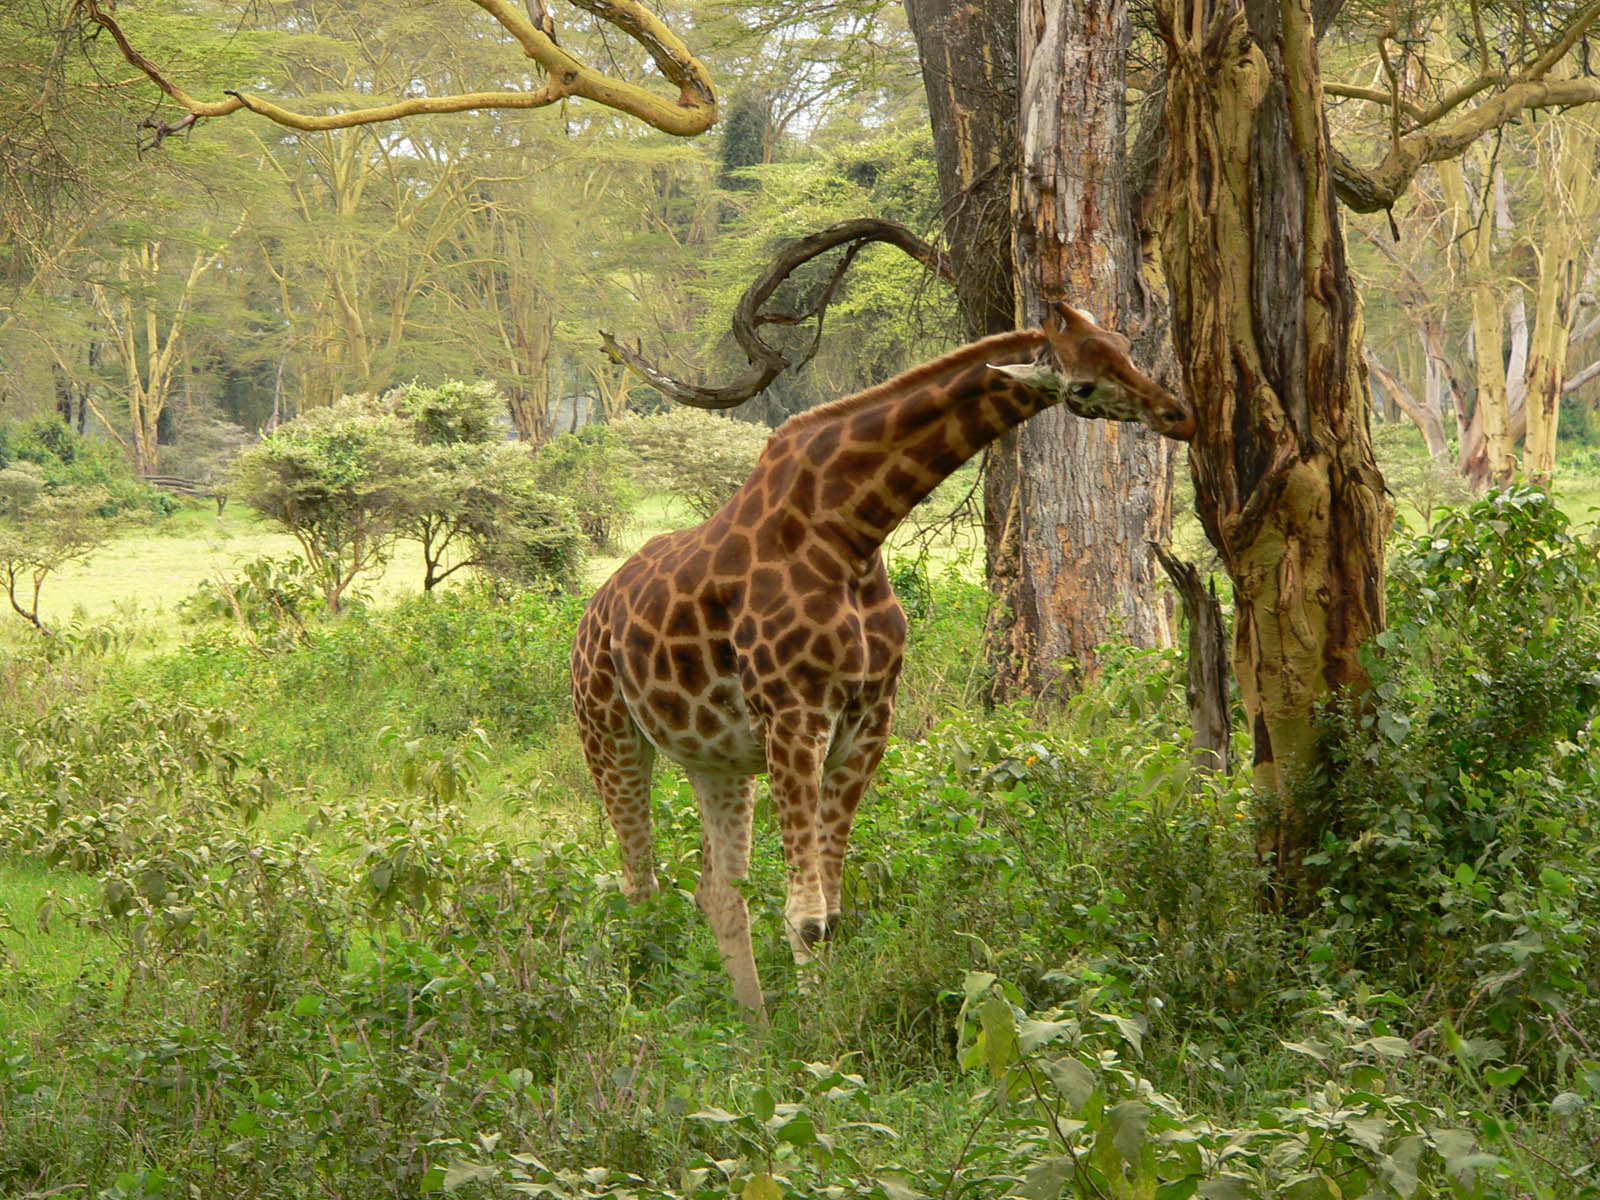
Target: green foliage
x=440, y=667
x=588, y=469
x=267, y=596
x=340, y=948
x=452, y=412
x=44, y=526
x=695, y=456
x=340, y=480
x=1463, y=796
x=480, y=506
x=67, y=461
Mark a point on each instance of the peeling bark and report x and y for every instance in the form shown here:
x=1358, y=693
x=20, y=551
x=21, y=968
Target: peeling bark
x=1092, y=500
x=1268, y=330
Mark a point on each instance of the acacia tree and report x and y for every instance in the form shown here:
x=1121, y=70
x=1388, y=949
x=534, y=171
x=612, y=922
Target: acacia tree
x=1268, y=330
x=1035, y=211
x=146, y=336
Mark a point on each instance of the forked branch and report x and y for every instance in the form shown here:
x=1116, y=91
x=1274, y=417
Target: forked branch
x=766, y=362
x=694, y=110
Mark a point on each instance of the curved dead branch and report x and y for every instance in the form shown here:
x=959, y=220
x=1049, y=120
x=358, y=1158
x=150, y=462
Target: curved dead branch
x=767, y=363
x=692, y=111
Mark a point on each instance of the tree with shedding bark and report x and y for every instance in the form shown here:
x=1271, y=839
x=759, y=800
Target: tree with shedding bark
x=1038, y=205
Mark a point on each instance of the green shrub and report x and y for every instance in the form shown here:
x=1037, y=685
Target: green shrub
x=699, y=457
x=450, y=413
x=588, y=468
x=1466, y=851
x=67, y=460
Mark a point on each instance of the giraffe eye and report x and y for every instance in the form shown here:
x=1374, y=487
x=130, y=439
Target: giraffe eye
x=1081, y=390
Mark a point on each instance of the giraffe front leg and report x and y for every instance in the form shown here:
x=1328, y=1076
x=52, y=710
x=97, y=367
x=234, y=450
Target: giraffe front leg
x=842, y=786
x=795, y=751
x=727, y=808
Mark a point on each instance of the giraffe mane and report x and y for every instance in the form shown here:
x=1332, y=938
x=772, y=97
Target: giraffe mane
x=987, y=349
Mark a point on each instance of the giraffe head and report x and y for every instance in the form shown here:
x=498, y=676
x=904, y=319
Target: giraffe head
x=1087, y=368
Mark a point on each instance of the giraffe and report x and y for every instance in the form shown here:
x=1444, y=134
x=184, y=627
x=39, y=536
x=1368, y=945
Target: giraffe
x=768, y=639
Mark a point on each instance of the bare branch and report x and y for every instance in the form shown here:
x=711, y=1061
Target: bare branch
x=1574, y=382
x=767, y=363
x=693, y=111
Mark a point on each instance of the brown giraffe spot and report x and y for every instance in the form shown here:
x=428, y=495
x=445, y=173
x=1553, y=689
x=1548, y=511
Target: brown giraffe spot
x=732, y=555
x=672, y=708
x=684, y=621
x=690, y=669
x=822, y=444
x=724, y=658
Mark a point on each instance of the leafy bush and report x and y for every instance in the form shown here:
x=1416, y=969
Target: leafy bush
x=1466, y=848
x=699, y=457
x=450, y=413
x=67, y=460
x=340, y=479
x=588, y=469
x=267, y=595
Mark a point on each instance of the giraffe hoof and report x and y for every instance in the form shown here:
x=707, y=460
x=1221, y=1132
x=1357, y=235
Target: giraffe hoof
x=812, y=932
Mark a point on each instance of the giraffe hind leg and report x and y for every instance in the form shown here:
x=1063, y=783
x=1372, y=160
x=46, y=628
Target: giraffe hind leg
x=727, y=807
x=620, y=760
x=842, y=786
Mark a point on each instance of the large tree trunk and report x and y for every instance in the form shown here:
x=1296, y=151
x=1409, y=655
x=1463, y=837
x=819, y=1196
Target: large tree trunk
x=1269, y=333
x=1092, y=497
x=968, y=50
x=1070, y=506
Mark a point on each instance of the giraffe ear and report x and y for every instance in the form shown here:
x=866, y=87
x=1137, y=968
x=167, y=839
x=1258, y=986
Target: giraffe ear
x=1067, y=318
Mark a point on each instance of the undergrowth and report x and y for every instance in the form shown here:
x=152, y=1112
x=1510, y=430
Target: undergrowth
x=328, y=968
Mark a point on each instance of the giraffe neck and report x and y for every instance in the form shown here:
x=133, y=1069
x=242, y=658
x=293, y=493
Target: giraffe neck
x=879, y=453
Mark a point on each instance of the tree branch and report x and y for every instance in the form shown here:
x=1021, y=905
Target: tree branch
x=767, y=363
x=693, y=111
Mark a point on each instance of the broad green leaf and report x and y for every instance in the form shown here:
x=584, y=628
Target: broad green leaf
x=1389, y=1047
x=1312, y=1186
x=1073, y=1080
x=1045, y=1179
x=1400, y=1168
x=1309, y=1049
x=1224, y=1187
x=1454, y=1146
x=894, y=1187
x=798, y=1130
x=1504, y=1076
x=761, y=1187
x=1033, y=1034
x=1566, y=1103
x=762, y=1105
x=1000, y=1035
x=1129, y=1030
x=1130, y=1125
x=1367, y=1132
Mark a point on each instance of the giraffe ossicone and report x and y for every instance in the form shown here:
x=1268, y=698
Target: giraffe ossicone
x=768, y=639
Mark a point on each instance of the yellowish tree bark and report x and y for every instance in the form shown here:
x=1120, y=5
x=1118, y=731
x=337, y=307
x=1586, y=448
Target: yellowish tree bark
x=1268, y=331
x=1474, y=233
x=1567, y=161
x=148, y=351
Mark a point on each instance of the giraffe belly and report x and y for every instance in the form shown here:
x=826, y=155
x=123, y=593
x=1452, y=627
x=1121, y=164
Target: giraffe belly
x=709, y=734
